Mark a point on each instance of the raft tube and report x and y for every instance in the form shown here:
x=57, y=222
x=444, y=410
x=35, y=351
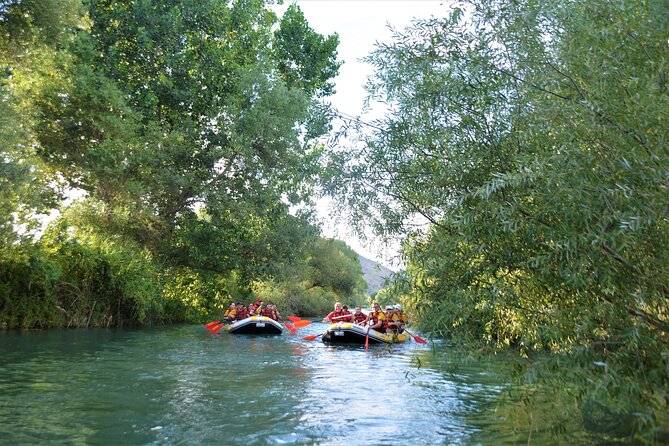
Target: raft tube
x=255, y=325
x=348, y=333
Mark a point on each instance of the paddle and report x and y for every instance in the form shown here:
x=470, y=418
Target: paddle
x=346, y=316
x=290, y=327
x=367, y=338
x=301, y=323
x=416, y=338
x=310, y=337
x=298, y=322
x=213, y=329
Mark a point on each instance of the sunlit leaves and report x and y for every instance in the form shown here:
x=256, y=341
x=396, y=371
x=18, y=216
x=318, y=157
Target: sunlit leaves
x=532, y=139
x=179, y=122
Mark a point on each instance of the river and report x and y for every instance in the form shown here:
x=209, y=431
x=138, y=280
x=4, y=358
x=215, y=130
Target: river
x=180, y=385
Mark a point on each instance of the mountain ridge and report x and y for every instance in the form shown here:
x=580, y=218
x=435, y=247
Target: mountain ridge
x=374, y=274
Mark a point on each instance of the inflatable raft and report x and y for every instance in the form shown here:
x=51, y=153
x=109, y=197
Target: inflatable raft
x=347, y=333
x=255, y=325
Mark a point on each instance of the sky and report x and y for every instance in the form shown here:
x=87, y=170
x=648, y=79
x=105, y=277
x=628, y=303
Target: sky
x=360, y=24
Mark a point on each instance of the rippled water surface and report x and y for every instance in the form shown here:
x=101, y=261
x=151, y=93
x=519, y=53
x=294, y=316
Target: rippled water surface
x=181, y=385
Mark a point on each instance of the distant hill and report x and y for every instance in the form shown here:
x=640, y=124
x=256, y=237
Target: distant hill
x=375, y=274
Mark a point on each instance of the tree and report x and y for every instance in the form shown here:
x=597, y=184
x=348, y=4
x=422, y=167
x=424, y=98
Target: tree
x=171, y=111
x=329, y=272
x=531, y=141
x=335, y=265
x=307, y=60
x=177, y=122
x=30, y=33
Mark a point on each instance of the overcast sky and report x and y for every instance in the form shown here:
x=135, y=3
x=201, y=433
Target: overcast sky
x=360, y=24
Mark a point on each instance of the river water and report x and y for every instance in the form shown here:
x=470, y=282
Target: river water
x=180, y=385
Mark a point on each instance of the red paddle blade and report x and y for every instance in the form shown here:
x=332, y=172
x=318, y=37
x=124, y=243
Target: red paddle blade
x=310, y=337
x=290, y=328
x=212, y=323
x=419, y=339
x=301, y=323
x=215, y=328
x=293, y=318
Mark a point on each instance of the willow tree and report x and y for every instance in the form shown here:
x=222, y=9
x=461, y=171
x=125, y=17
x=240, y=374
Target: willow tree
x=531, y=142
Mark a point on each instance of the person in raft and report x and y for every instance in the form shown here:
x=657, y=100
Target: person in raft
x=229, y=314
x=337, y=315
x=393, y=322
x=271, y=312
x=359, y=317
x=241, y=312
x=255, y=309
x=276, y=315
x=376, y=318
x=401, y=318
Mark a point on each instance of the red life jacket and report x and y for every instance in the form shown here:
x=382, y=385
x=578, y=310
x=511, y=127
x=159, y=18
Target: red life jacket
x=359, y=317
x=335, y=314
x=268, y=313
x=243, y=314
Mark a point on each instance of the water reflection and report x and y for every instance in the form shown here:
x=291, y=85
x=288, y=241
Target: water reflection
x=378, y=397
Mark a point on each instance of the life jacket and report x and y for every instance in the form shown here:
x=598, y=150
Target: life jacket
x=241, y=314
x=336, y=314
x=359, y=317
x=374, y=316
x=268, y=313
x=386, y=320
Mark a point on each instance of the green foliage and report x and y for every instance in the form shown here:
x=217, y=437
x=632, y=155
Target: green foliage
x=27, y=295
x=307, y=60
x=296, y=298
x=193, y=296
x=531, y=140
x=336, y=266
x=29, y=32
x=26, y=22
x=77, y=281
x=187, y=133
x=331, y=273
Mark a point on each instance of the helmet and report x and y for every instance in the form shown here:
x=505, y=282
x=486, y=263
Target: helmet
x=398, y=307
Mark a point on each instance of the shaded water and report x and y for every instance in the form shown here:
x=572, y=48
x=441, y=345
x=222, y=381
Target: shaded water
x=181, y=385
